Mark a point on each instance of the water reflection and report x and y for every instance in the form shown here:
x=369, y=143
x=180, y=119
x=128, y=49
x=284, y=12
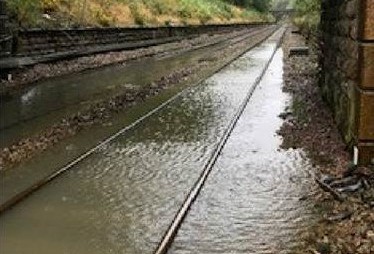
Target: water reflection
x=32, y=109
x=122, y=198
x=251, y=202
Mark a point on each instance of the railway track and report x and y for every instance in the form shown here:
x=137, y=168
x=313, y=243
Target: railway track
x=43, y=46
x=194, y=192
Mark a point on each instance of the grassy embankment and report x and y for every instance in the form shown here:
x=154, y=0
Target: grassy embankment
x=103, y=13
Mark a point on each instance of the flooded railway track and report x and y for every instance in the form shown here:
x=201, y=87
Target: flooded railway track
x=10, y=202
x=178, y=220
x=123, y=194
x=238, y=38
x=30, y=109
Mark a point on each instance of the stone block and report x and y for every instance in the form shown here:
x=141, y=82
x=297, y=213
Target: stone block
x=366, y=116
x=353, y=29
x=367, y=20
x=351, y=69
x=366, y=153
x=351, y=8
x=343, y=27
x=367, y=66
x=348, y=47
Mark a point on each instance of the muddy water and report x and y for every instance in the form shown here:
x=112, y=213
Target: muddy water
x=251, y=202
x=34, y=108
x=21, y=177
x=122, y=198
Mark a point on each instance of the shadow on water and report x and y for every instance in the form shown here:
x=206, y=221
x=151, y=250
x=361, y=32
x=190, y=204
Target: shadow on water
x=123, y=197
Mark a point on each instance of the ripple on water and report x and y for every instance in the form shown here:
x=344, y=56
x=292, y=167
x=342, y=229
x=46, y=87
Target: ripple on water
x=122, y=199
x=251, y=202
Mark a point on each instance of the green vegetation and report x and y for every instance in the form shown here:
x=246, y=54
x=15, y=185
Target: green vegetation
x=70, y=13
x=308, y=15
x=282, y=4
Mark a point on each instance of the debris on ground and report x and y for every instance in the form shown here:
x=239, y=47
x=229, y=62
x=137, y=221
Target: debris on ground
x=345, y=202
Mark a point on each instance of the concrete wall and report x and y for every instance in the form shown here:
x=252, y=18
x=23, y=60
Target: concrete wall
x=348, y=64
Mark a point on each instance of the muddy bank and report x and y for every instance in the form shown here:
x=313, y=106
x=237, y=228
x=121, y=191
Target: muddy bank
x=101, y=112
x=346, y=199
x=27, y=76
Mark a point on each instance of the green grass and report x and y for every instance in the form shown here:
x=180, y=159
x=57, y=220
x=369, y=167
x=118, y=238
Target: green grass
x=66, y=13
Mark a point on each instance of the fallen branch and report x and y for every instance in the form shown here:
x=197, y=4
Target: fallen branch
x=327, y=188
x=339, y=217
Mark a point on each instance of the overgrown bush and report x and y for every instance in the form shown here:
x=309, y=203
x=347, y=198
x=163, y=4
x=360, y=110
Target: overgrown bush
x=25, y=11
x=308, y=15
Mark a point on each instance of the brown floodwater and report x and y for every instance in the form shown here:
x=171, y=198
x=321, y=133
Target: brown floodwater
x=123, y=197
x=252, y=200
x=34, y=108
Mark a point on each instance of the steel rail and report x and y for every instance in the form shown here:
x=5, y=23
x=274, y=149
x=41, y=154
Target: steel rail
x=39, y=184
x=193, y=194
x=234, y=39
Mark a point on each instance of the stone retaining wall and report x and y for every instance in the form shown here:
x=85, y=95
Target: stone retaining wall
x=38, y=42
x=348, y=67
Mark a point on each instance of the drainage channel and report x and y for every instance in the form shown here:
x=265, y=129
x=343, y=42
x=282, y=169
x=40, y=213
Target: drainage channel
x=116, y=199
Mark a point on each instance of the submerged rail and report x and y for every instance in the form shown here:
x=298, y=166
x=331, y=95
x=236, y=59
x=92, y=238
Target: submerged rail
x=38, y=185
x=179, y=218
